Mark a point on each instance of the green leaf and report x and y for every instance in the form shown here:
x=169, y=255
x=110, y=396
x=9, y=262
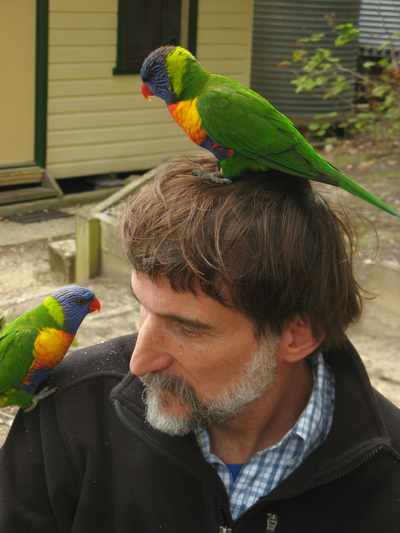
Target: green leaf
x=313, y=38
x=299, y=55
x=320, y=80
x=384, y=62
x=380, y=90
x=314, y=126
x=347, y=33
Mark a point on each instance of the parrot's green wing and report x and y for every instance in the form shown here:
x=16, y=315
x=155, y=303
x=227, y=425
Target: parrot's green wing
x=16, y=355
x=262, y=138
x=238, y=118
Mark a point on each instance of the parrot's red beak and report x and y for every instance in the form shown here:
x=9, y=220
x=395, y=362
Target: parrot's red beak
x=146, y=91
x=94, y=305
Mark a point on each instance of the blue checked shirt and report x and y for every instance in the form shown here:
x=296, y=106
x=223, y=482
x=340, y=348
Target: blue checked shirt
x=269, y=467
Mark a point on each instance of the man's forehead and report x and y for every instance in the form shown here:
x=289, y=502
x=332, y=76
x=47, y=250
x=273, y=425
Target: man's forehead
x=159, y=293
x=161, y=290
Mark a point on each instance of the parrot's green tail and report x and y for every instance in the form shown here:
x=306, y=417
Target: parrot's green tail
x=355, y=188
x=348, y=184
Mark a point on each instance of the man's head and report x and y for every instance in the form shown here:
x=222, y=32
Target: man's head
x=237, y=284
x=267, y=246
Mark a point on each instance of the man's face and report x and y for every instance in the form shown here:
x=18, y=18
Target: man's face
x=200, y=361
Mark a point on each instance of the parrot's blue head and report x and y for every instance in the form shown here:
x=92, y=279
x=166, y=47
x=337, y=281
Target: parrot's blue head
x=76, y=302
x=155, y=75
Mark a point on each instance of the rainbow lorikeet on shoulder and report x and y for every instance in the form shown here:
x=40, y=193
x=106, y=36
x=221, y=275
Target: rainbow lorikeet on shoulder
x=36, y=341
x=244, y=131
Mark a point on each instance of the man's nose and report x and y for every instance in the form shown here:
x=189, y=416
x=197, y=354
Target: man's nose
x=150, y=353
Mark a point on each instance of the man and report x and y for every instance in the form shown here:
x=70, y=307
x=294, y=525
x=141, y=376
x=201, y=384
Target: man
x=246, y=409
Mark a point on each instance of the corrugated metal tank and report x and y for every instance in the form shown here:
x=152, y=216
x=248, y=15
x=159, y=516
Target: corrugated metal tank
x=276, y=28
x=379, y=21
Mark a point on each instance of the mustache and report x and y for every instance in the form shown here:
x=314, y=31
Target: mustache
x=174, y=385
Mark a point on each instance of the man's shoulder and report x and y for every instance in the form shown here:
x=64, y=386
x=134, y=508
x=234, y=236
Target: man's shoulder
x=106, y=359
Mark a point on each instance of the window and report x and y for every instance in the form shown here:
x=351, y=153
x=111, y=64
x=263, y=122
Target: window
x=146, y=25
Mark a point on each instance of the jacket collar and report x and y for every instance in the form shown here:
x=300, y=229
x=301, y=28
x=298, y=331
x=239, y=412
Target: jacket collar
x=357, y=431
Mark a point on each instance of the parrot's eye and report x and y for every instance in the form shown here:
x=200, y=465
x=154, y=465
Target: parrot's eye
x=80, y=301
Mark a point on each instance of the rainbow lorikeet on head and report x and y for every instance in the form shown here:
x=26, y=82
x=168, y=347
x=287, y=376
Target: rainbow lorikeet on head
x=244, y=131
x=36, y=341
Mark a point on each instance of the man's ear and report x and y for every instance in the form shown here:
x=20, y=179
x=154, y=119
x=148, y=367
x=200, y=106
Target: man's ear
x=297, y=341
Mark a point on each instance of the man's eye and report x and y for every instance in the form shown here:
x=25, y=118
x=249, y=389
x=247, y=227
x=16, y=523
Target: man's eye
x=189, y=331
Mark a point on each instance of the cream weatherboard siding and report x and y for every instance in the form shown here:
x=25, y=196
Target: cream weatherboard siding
x=98, y=122
x=17, y=90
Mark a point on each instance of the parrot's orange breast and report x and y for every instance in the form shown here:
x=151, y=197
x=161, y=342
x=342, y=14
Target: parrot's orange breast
x=50, y=346
x=49, y=349
x=186, y=115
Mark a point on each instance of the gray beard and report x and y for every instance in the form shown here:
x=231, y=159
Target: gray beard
x=258, y=377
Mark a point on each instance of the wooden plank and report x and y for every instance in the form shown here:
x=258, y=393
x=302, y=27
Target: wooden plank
x=58, y=202
x=137, y=162
x=87, y=261
x=60, y=139
x=93, y=37
x=82, y=104
x=88, y=5
x=120, y=85
x=221, y=22
x=114, y=118
x=118, y=149
x=20, y=176
x=222, y=52
x=80, y=71
x=21, y=195
x=184, y=23
x=80, y=54
x=207, y=36
x=225, y=6
x=83, y=21
x=238, y=66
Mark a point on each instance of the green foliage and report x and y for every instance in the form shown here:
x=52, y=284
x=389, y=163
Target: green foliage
x=377, y=114
x=346, y=33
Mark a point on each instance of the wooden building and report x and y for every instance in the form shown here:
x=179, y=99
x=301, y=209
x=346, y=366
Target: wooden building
x=72, y=107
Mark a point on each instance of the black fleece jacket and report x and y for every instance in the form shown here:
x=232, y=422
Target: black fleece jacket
x=85, y=461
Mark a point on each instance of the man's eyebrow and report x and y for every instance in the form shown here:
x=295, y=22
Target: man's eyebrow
x=193, y=323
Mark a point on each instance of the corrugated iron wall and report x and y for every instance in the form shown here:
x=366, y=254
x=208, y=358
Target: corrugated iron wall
x=379, y=21
x=277, y=26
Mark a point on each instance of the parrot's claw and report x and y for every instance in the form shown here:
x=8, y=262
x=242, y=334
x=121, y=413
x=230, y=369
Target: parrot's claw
x=41, y=395
x=215, y=178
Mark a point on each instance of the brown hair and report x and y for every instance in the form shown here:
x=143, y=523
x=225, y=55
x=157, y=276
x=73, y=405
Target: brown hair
x=267, y=245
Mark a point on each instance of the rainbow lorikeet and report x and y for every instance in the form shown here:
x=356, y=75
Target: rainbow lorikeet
x=36, y=341
x=244, y=131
